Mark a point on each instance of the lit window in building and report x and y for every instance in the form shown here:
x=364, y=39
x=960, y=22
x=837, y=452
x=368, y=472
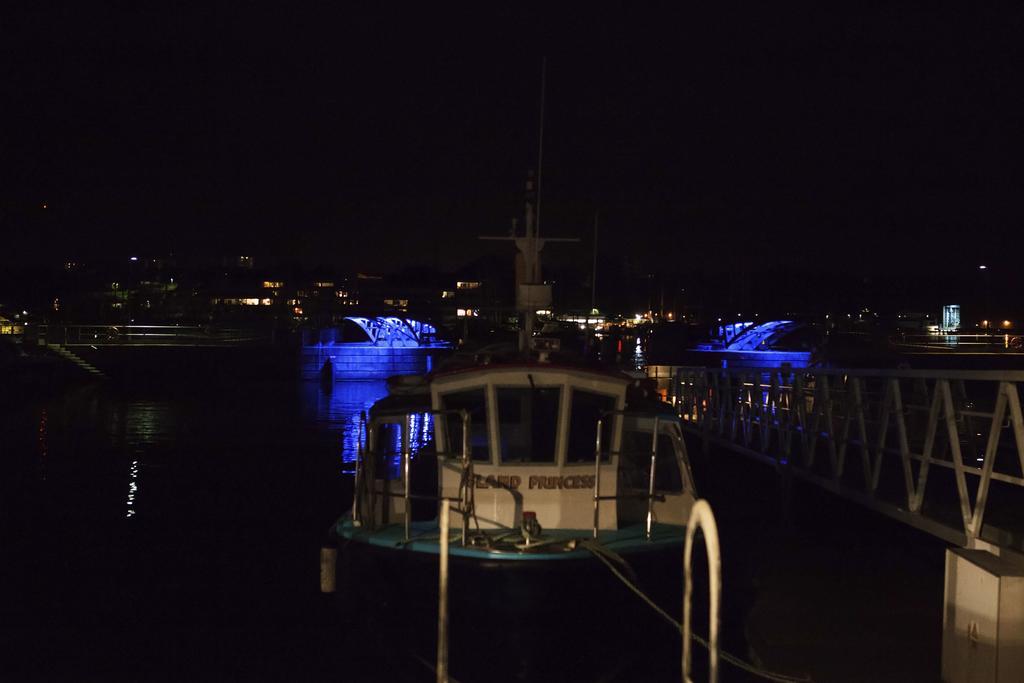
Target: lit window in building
x=272, y=284
x=266, y=302
x=467, y=285
x=447, y=294
x=400, y=303
x=467, y=312
x=341, y=294
x=324, y=284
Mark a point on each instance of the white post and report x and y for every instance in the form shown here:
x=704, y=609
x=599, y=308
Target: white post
x=442, y=597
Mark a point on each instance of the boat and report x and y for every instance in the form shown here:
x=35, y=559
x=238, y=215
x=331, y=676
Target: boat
x=566, y=480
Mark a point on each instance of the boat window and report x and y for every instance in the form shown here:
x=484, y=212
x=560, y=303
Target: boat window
x=587, y=408
x=635, y=463
x=528, y=424
x=389, y=450
x=474, y=402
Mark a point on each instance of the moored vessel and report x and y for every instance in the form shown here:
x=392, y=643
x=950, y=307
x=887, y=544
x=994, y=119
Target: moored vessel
x=566, y=480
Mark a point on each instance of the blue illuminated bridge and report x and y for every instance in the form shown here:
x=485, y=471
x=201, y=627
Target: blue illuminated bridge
x=747, y=344
x=371, y=348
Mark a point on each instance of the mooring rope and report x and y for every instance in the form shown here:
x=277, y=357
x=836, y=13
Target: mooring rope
x=603, y=554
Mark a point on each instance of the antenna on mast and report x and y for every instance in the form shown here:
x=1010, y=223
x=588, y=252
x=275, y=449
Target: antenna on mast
x=593, y=268
x=540, y=143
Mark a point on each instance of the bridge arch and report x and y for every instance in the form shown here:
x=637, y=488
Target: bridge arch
x=395, y=331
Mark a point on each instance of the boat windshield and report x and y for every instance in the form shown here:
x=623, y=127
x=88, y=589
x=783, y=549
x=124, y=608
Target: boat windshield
x=587, y=409
x=635, y=463
x=473, y=401
x=528, y=423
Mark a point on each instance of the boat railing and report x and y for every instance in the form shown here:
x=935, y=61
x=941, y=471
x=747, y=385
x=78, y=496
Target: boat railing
x=650, y=496
x=365, y=474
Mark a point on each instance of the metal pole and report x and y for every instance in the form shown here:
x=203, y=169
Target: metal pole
x=442, y=597
x=540, y=144
x=406, y=457
x=703, y=518
x=597, y=477
x=467, y=465
x=650, y=482
x=593, y=269
x=356, y=517
x=370, y=473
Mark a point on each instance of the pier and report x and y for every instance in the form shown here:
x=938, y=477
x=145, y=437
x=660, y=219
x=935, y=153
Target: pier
x=940, y=451
x=113, y=335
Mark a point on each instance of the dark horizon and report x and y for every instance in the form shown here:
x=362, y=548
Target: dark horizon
x=869, y=142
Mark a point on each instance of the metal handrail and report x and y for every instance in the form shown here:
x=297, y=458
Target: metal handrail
x=651, y=496
x=117, y=334
x=838, y=427
x=650, y=485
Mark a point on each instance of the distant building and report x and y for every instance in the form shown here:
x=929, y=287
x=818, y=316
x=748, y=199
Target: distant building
x=951, y=318
x=244, y=262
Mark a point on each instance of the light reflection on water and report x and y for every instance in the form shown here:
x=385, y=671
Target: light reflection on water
x=142, y=427
x=41, y=443
x=337, y=409
x=390, y=440
x=133, y=487
x=136, y=452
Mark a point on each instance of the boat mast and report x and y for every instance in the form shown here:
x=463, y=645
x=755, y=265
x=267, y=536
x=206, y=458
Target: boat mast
x=532, y=292
x=540, y=137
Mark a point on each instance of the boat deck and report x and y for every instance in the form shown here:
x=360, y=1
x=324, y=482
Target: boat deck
x=555, y=544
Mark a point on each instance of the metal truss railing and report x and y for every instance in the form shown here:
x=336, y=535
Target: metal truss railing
x=879, y=437
x=144, y=335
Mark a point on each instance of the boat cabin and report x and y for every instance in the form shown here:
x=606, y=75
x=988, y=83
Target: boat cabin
x=532, y=447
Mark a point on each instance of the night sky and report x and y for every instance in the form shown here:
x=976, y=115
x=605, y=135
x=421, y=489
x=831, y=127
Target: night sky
x=872, y=140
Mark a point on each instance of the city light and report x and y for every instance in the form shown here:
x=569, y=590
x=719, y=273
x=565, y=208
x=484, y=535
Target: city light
x=982, y=267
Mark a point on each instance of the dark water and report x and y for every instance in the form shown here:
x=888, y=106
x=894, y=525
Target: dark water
x=171, y=531
x=167, y=528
